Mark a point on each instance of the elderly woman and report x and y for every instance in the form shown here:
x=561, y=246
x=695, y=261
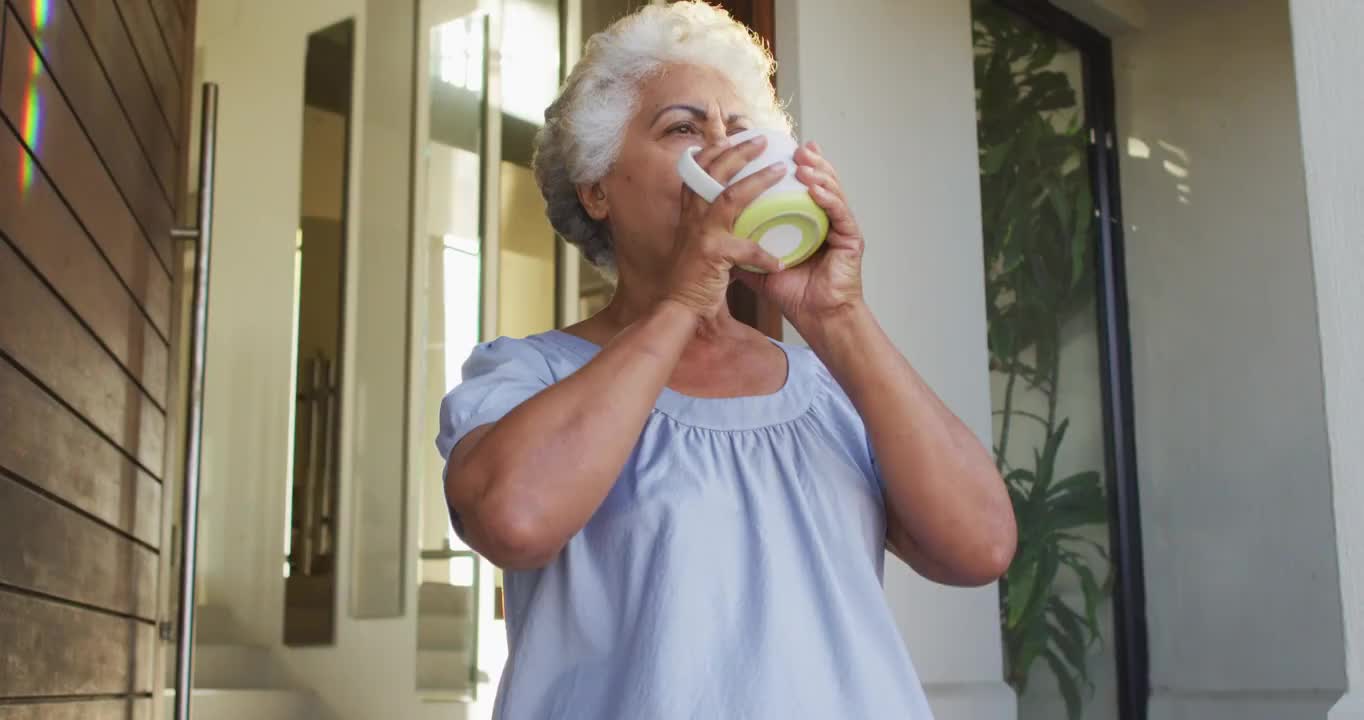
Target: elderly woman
x=693, y=517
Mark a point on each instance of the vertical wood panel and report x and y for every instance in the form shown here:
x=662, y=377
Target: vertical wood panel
x=51, y=649
x=65, y=39
x=113, y=48
x=47, y=340
x=66, y=155
x=46, y=445
x=151, y=49
x=33, y=103
x=119, y=239
x=40, y=227
x=52, y=550
x=139, y=708
x=172, y=30
x=93, y=100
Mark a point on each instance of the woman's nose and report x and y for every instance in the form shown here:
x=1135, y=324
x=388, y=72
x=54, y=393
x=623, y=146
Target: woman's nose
x=716, y=133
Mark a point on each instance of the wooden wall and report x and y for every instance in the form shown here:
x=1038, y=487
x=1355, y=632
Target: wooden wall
x=94, y=101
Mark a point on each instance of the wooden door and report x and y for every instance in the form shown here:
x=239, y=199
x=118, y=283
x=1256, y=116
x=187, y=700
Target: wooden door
x=94, y=97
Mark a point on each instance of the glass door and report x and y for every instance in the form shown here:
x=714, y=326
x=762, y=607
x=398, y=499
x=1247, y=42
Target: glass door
x=486, y=263
x=1071, y=600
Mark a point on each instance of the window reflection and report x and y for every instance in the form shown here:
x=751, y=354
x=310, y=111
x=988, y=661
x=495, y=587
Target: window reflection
x=488, y=265
x=457, y=53
x=530, y=57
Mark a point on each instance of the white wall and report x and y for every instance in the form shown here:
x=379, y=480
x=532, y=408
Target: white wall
x=1328, y=57
x=887, y=89
x=249, y=376
x=527, y=292
x=256, y=50
x=1241, y=577
x=376, y=354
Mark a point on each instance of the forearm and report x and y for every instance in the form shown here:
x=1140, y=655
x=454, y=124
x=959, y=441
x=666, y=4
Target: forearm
x=946, y=506
x=534, y=478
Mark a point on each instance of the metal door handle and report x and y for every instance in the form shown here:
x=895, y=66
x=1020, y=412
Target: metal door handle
x=198, y=332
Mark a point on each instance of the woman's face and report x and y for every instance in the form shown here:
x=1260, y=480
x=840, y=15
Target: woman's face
x=680, y=107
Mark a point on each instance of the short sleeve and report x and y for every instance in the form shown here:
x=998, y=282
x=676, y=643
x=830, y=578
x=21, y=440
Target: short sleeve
x=497, y=377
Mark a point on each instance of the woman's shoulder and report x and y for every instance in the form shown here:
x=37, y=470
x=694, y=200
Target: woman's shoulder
x=804, y=362
x=547, y=355
x=827, y=394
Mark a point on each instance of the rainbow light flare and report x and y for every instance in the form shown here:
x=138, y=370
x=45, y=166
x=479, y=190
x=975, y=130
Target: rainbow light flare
x=31, y=125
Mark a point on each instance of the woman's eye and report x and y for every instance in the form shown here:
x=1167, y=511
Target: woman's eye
x=683, y=129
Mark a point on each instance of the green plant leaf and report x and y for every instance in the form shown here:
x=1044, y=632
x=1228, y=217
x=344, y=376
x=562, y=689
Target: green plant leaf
x=1060, y=204
x=1042, y=56
x=1093, y=596
x=1016, y=498
x=1072, y=652
x=1081, y=482
x=994, y=158
x=1070, y=519
x=1020, y=478
x=1046, y=460
x=1070, y=690
x=1021, y=583
x=1033, y=644
x=1048, y=564
x=1070, y=538
x=1071, y=637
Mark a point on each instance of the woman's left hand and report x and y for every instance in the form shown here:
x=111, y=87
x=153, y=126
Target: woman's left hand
x=829, y=283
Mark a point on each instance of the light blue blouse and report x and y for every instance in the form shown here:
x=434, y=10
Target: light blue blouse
x=734, y=571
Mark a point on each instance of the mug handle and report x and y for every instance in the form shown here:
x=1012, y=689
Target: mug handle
x=696, y=178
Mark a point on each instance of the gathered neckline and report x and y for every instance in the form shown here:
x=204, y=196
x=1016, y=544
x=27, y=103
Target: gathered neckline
x=746, y=412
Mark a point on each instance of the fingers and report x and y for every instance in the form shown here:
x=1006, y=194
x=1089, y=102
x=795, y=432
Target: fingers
x=810, y=155
x=819, y=175
x=748, y=254
x=730, y=160
x=813, y=178
x=706, y=155
x=843, y=228
x=721, y=161
x=813, y=169
x=726, y=208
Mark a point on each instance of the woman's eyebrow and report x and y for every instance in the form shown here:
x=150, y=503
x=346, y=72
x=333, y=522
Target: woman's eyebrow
x=698, y=113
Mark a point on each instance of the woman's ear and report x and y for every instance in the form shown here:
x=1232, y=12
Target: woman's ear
x=593, y=199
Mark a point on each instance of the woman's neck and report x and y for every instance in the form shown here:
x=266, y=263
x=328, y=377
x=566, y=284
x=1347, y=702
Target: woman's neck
x=633, y=301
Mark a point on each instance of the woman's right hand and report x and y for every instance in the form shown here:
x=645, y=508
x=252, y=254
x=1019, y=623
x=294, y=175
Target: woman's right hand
x=705, y=250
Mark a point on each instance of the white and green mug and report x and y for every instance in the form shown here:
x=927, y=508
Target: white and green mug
x=784, y=220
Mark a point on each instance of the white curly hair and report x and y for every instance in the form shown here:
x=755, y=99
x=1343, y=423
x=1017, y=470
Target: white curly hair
x=584, y=126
